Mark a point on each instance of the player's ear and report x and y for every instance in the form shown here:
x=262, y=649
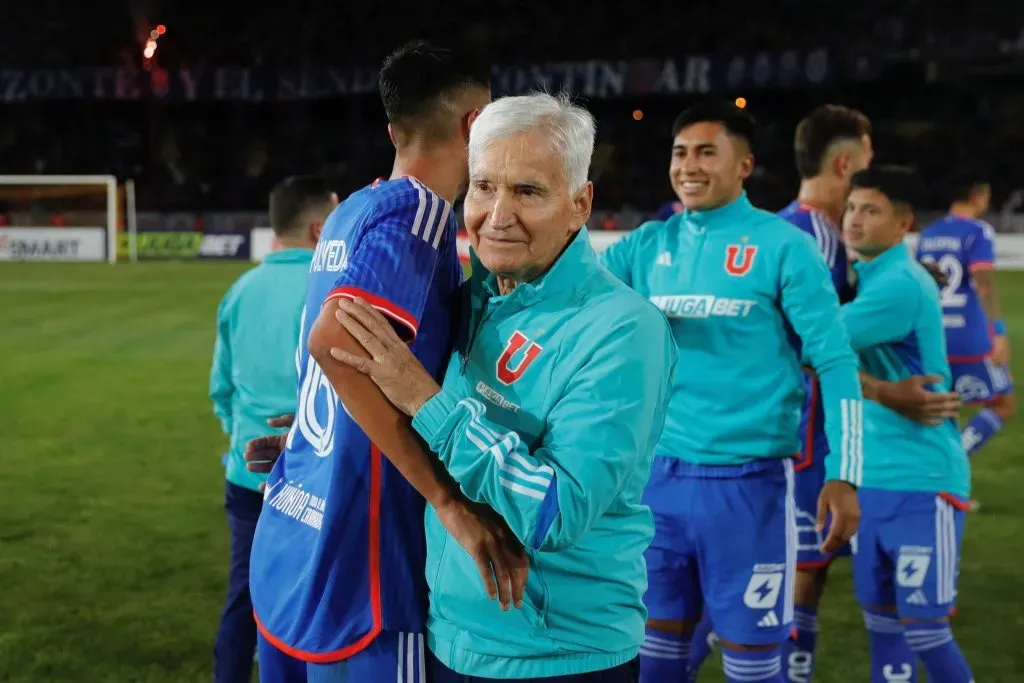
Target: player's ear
x=391, y=134
x=747, y=165
x=582, y=204
x=467, y=122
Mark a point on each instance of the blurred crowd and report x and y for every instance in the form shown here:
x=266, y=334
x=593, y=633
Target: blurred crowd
x=224, y=156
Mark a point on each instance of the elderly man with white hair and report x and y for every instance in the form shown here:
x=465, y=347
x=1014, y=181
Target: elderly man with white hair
x=549, y=412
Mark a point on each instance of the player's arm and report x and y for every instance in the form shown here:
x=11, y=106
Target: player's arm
x=222, y=388
x=392, y=267
x=620, y=256
x=600, y=430
x=981, y=263
x=878, y=317
x=810, y=303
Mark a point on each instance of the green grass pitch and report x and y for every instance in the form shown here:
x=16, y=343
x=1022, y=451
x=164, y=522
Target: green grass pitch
x=113, y=545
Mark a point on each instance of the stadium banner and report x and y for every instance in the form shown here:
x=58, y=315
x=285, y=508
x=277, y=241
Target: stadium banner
x=1009, y=248
x=594, y=78
x=53, y=244
x=185, y=245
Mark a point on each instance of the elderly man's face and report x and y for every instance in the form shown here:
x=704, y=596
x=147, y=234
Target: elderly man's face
x=519, y=211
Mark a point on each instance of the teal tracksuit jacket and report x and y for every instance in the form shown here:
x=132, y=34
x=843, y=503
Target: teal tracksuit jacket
x=253, y=376
x=549, y=413
x=750, y=300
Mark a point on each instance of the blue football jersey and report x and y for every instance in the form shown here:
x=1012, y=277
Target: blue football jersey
x=828, y=237
x=960, y=247
x=339, y=549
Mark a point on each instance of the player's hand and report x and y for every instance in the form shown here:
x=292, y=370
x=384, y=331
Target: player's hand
x=497, y=552
x=838, y=499
x=262, y=453
x=1001, y=350
x=392, y=366
x=941, y=279
x=912, y=399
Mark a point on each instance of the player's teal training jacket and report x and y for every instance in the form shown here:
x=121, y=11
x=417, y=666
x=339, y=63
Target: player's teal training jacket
x=749, y=299
x=253, y=377
x=549, y=413
x=895, y=325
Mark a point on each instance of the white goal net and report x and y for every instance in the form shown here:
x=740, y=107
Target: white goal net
x=60, y=218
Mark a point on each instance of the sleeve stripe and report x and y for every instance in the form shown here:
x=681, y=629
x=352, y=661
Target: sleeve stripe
x=429, y=226
x=420, y=208
x=534, y=484
x=826, y=238
x=982, y=265
x=851, y=462
x=442, y=224
x=396, y=313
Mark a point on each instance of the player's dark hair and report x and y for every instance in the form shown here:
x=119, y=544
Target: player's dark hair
x=966, y=182
x=822, y=128
x=900, y=184
x=738, y=122
x=291, y=198
x=416, y=76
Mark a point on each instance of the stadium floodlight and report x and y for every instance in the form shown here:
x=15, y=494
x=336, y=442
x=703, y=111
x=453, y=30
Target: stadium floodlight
x=42, y=211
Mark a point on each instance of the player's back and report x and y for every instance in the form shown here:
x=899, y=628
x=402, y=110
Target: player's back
x=901, y=454
x=960, y=247
x=339, y=550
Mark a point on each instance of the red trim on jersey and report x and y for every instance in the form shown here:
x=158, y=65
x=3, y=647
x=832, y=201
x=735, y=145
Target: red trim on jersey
x=376, y=605
x=806, y=459
x=961, y=505
x=396, y=313
x=968, y=359
x=981, y=265
x=815, y=564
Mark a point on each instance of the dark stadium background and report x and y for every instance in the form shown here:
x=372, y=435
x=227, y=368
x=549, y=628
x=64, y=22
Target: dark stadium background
x=112, y=542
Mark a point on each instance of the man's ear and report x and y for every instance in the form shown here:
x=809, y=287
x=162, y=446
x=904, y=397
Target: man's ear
x=582, y=204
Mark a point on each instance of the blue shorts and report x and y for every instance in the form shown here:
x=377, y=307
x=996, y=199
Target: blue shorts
x=724, y=543
x=907, y=552
x=807, y=488
x=391, y=658
x=981, y=381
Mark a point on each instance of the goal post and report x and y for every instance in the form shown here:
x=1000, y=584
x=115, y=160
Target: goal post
x=60, y=217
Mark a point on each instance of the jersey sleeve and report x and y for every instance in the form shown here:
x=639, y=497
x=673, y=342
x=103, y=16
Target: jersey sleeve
x=878, y=315
x=620, y=256
x=222, y=388
x=981, y=255
x=395, y=260
x=811, y=305
x=601, y=430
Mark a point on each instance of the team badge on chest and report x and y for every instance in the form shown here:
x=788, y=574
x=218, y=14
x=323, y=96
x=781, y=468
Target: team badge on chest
x=739, y=259
x=519, y=353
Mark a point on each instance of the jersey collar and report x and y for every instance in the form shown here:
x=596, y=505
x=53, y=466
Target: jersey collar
x=891, y=255
x=297, y=255
x=563, y=277
x=723, y=215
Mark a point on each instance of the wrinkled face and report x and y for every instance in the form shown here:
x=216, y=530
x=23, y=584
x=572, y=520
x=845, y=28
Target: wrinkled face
x=872, y=224
x=519, y=211
x=708, y=166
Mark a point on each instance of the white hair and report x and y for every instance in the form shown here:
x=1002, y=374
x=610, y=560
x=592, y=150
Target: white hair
x=569, y=127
